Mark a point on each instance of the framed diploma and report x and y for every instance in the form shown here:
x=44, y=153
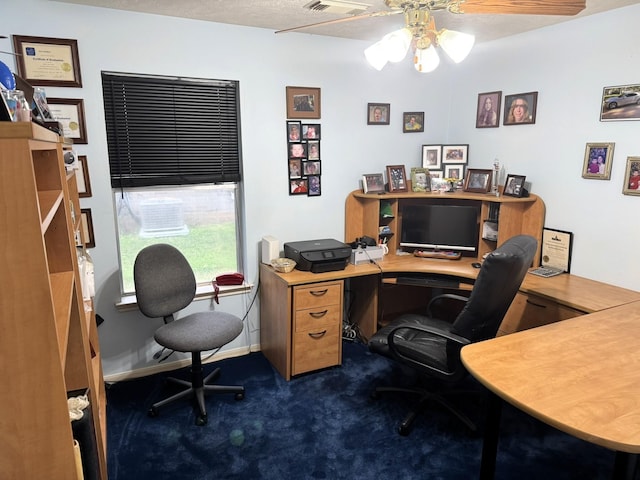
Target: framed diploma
x=70, y=113
x=82, y=177
x=48, y=61
x=556, y=249
x=87, y=228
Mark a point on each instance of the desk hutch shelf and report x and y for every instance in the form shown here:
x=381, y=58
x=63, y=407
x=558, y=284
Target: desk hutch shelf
x=49, y=340
x=514, y=216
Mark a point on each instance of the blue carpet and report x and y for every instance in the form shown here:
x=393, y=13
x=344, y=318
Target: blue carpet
x=324, y=426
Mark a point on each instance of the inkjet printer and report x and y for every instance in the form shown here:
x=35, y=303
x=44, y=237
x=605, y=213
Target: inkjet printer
x=317, y=256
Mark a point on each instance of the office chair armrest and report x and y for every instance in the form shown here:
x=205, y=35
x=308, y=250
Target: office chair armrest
x=442, y=297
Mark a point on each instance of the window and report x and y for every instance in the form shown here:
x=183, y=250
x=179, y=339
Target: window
x=175, y=166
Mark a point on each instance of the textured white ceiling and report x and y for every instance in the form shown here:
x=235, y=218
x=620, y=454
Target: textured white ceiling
x=281, y=14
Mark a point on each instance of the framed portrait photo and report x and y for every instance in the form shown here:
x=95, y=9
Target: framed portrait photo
x=520, y=108
x=455, y=154
x=488, y=113
x=478, y=180
x=413, y=122
x=313, y=149
x=619, y=103
x=299, y=186
x=632, y=177
x=432, y=157
x=454, y=171
x=48, y=61
x=303, y=102
x=70, y=113
x=514, y=186
x=397, y=178
x=297, y=150
x=373, y=183
x=597, y=161
x=311, y=131
x=314, y=185
x=294, y=129
x=378, y=113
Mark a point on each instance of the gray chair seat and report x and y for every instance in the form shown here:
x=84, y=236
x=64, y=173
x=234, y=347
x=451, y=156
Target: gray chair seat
x=200, y=331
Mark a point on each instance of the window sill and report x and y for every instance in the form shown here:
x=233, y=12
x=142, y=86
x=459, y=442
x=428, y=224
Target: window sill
x=204, y=291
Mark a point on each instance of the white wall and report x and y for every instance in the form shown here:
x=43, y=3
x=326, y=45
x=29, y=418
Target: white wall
x=567, y=64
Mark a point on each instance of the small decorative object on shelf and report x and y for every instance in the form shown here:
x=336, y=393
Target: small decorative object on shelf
x=496, y=171
x=452, y=184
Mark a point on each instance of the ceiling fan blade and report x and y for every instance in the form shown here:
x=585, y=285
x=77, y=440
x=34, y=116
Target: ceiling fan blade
x=382, y=13
x=528, y=7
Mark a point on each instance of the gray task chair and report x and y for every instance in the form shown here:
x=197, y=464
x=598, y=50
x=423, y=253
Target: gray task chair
x=165, y=284
x=431, y=346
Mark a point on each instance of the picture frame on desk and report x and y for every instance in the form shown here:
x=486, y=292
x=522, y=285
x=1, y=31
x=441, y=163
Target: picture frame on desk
x=397, y=178
x=373, y=183
x=454, y=171
x=455, y=154
x=478, y=180
x=432, y=157
x=420, y=179
x=514, y=186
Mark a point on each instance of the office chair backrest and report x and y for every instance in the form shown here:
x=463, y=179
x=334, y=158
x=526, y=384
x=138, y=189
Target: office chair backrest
x=496, y=286
x=164, y=280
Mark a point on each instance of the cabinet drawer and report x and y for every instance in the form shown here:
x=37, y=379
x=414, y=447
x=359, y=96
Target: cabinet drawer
x=317, y=295
x=530, y=311
x=317, y=318
x=313, y=349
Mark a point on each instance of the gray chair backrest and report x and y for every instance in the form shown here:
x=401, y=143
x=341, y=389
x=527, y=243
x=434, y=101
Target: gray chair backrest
x=495, y=287
x=164, y=280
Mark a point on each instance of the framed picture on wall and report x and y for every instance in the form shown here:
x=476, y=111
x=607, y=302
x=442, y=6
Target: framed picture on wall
x=70, y=113
x=413, y=122
x=87, y=227
x=311, y=131
x=488, y=113
x=293, y=131
x=597, y=161
x=520, y=109
x=82, y=177
x=378, y=113
x=632, y=177
x=47, y=61
x=303, y=102
x=617, y=103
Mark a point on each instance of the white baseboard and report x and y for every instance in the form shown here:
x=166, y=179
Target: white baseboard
x=166, y=367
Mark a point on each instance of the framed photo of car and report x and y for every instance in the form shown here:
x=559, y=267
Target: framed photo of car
x=514, y=186
x=478, y=180
x=520, y=108
x=620, y=103
x=597, y=161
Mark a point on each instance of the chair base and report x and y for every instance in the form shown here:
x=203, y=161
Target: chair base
x=426, y=397
x=197, y=388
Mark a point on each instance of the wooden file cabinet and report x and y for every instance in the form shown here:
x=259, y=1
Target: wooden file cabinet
x=529, y=311
x=317, y=340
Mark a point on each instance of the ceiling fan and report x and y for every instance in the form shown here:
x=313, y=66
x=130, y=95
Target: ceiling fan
x=420, y=32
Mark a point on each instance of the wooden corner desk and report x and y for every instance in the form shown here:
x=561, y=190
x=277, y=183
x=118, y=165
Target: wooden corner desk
x=301, y=312
x=581, y=376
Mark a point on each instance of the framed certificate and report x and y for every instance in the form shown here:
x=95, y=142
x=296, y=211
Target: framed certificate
x=48, y=61
x=556, y=249
x=70, y=113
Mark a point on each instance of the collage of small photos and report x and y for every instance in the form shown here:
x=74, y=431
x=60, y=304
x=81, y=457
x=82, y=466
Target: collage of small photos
x=446, y=161
x=303, y=145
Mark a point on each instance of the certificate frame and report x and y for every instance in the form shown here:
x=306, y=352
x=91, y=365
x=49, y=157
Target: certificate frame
x=87, y=227
x=70, y=113
x=556, y=249
x=82, y=177
x=46, y=61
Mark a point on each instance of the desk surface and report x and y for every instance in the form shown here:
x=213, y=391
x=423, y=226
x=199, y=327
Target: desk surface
x=570, y=290
x=580, y=375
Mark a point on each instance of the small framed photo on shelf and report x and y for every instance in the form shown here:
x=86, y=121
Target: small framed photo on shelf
x=488, y=114
x=597, y=161
x=454, y=171
x=413, y=122
x=478, y=180
x=514, y=186
x=420, y=179
x=293, y=131
x=378, y=113
x=311, y=131
x=397, y=178
x=373, y=183
x=632, y=177
x=432, y=157
x=455, y=154
x=520, y=109
x=303, y=102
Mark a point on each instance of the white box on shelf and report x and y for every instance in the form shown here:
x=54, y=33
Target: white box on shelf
x=365, y=255
x=270, y=249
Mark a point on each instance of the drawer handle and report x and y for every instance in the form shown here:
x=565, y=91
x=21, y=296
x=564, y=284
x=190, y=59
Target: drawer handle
x=318, y=314
x=318, y=293
x=536, y=304
x=318, y=334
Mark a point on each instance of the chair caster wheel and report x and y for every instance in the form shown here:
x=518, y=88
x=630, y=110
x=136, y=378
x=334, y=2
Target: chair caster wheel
x=404, y=430
x=201, y=420
x=239, y=396
x=153, y=412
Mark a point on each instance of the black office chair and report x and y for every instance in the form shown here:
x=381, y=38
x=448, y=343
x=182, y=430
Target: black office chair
x=164, y=285
x=431, y=346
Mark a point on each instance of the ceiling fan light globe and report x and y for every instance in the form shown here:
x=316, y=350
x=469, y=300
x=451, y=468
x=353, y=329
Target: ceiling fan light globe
x=456, y=45
x=426, y=59
x=376, y=55
x=397, y=44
